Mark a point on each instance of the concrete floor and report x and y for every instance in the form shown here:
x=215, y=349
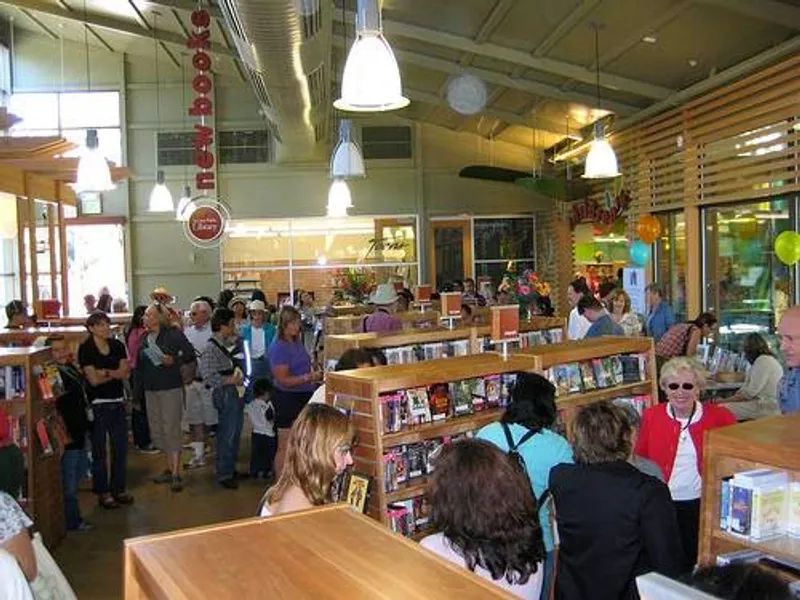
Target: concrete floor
x=92, y=560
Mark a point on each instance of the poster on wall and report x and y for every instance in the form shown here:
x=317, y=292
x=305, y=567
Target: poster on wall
x=633, y=282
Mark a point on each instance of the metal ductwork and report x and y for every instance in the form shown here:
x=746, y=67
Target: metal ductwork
x=284, y=46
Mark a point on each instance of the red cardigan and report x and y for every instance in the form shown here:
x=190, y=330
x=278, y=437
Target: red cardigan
x=658, y=437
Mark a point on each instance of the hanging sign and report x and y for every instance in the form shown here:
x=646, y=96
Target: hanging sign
x=593, y=211
x=206, y=224
x=202, y=106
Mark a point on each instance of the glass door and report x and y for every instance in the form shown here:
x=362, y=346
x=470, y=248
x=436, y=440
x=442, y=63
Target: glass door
x=451, y=254
x=669, y=261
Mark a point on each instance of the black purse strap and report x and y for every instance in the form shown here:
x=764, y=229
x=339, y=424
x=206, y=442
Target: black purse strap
x=513, y=447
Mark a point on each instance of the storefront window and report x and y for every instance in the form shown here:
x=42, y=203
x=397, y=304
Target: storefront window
x=95, y=259
x=670, y=261
x=499, y=240
x=600, y=251
x=746, y=286
x=279, y=256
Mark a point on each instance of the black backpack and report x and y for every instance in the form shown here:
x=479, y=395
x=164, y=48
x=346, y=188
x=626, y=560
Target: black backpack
x=519, y=461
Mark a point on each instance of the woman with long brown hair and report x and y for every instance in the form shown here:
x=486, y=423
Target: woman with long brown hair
x=486, y=517
x=318, y=450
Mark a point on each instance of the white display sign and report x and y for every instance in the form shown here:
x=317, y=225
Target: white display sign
x=633, y=282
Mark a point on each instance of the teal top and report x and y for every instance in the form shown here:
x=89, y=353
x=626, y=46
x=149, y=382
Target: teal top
x=541, y=453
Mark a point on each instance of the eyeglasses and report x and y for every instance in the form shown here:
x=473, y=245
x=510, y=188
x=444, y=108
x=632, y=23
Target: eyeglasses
x=676, y=386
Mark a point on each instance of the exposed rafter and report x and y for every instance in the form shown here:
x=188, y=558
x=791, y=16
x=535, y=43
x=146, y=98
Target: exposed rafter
x=109, y=23
x=44, y=28
x=493, y=20
x=547, y=65
x=770, y=11
x=525, y=85
x=567, y=24
x=94, y=33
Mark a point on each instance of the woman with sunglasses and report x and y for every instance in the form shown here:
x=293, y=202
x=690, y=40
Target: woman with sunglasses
x=672, y=436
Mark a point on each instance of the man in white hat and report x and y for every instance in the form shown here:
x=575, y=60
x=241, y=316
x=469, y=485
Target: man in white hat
x=200, y=412
x=383, y=320
x=257, y=334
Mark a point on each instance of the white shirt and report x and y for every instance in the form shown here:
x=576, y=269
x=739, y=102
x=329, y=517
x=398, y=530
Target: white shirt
x=684, y=482
x=258, y=345
x=256, y=410
x=198, y=336
x=13, y=585
x=577, y=326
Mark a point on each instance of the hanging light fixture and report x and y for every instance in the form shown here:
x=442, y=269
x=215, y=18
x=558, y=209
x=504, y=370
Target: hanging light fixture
x=160, y=197
x=339, y=199
x=346, y=160
x=371, y=79
x=601, y=162
x=94, y=175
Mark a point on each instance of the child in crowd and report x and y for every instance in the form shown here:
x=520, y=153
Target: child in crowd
x=72, y=405
x=263, y=443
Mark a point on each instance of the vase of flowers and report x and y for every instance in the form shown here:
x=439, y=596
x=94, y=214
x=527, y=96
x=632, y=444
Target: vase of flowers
x=352, y=285
x=527, y=289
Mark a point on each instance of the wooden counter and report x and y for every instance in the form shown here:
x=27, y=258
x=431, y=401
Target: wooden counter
x=80, y=320
x=324, y=553
x=74, y=335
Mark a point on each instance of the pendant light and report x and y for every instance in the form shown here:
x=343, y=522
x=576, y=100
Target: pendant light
x=371, y=80
x=339, y=199
x=94, y=175
x=601, y=162
x=160, y=197
x=184, y=210
x=346, y=160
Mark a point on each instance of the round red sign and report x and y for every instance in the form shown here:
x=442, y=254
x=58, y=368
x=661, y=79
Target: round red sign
x=206, y=224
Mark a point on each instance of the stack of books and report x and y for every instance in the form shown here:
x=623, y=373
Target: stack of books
x=760, y=504
x=598, y=373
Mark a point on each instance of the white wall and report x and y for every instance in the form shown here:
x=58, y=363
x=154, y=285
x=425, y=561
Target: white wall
x=160, y=254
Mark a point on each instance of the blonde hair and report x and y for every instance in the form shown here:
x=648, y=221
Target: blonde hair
x=616, y=294
x=683, y=363
x=163, y=314
x=310, y=464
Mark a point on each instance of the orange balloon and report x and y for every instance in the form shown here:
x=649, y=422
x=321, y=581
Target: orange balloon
x=648, y=229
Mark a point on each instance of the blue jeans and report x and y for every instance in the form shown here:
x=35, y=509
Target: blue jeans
x=260, y=370
x=229, y=430
x=549, y=575
x=74, y=465
x=109, y=420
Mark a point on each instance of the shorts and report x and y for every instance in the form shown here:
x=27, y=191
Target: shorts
x=164, y=411
x=288, y=405
x=199, y=405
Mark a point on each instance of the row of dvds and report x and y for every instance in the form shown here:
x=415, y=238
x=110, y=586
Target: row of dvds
x=760, y=504
x=409, y=517
x=720, y=360
x=416, y=406
x=403, y=355
x=12, y=382
x=597, y=373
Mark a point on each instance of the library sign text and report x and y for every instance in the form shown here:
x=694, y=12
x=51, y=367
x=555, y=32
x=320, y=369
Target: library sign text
x=202, y=106
x=205, y=227
x=591, y=210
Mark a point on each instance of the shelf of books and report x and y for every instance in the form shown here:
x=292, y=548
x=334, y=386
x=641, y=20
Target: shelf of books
x=405, y=412
x=440, y=342
x=27, y=401
x=622, y=369
x=751, y=495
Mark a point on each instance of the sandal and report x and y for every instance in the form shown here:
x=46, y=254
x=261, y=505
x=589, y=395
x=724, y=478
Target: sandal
x=107, y=502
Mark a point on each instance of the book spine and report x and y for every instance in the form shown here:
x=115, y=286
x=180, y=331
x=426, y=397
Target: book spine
x=724, y=503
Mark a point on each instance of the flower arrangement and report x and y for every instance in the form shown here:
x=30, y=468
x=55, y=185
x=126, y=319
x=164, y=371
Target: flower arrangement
x=598, y=256
x=352, y=284
x=525, y=288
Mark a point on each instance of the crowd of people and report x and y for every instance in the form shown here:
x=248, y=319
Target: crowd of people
x=529, y=528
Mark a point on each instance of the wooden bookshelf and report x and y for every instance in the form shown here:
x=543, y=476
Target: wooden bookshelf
x=412, y=320
x=325, y=553
x=359, y=392
x=44, y=500
x=772, y=442
x=545, y=357
x=74, y=335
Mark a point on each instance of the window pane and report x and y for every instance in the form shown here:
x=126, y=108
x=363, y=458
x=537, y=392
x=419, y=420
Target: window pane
x=746, y=286
x=504, y=238
x=37, y=111
x=494, y=271
x=670, y=261
x=90, y=109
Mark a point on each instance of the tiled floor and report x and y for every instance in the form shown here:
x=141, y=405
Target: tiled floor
x=92, y=560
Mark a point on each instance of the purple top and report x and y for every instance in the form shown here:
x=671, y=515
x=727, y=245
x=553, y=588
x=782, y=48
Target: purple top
x=295, y=356
x=382, y=322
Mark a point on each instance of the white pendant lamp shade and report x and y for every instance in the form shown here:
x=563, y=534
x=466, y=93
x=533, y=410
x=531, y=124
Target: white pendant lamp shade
x=346, y=160
x=601, y=162
x=161, y=197
x=94, y=175
x=339, y=199
x=371, y=80
x=185, y=206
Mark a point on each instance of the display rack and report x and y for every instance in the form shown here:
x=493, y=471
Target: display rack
x=547, y=357
x=772, y=442
x=336, y=345
x=42, y=497
x=359, y=393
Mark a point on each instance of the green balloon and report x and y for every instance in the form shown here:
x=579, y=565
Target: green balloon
x=787, y=247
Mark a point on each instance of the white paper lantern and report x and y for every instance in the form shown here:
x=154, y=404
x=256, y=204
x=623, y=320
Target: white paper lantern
x=466, y=94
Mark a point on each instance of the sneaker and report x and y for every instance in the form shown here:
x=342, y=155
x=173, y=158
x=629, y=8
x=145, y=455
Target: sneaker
x=195, y=463
x=124, y=498
x=84, y=526
x=177, y=484
x=229, y=484
x=165, y=477
x=149, y=450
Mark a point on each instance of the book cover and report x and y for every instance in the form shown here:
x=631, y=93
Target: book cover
x=358, y=491
x=550, y=375
x=609, y=369
x=424, y=291
x=630, y=368
x=601, y=376
x=741, y=506
x=492, y=387
x=417, y=460
x=462, y=397
x=432, y=448
x=451, y=304
x=561, y=377
x=418, y=408
x=587, y=376
x=573, y=375
x=642, y=366
x=389, y=472
x=440, y=401
x=400, y=460
x=422, y=512
x=724, y=503
x=44, y=387
x=478, y=386
x=507, y=381
x=617, y=374
x=768, y=515
x=44, y=438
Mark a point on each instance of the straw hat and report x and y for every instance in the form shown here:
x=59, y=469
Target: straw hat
x=161, y=292
x=384, y=294
x=238, y=300
x=257, y=305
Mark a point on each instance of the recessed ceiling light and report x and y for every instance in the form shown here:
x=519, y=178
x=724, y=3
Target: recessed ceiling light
x=650, y=39
x=692, y=62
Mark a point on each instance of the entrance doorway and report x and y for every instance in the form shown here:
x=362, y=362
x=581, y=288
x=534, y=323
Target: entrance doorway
x=451, y=252
x=95, y=259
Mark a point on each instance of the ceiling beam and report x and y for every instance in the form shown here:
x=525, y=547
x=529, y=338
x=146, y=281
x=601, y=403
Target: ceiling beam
x=111, y=23
x=636, y=36
x=494, y=19
x=99, y=38
x=547, y=65
x=567, y=24
x=770, y=11
x=525, y=85
x=47, y=31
